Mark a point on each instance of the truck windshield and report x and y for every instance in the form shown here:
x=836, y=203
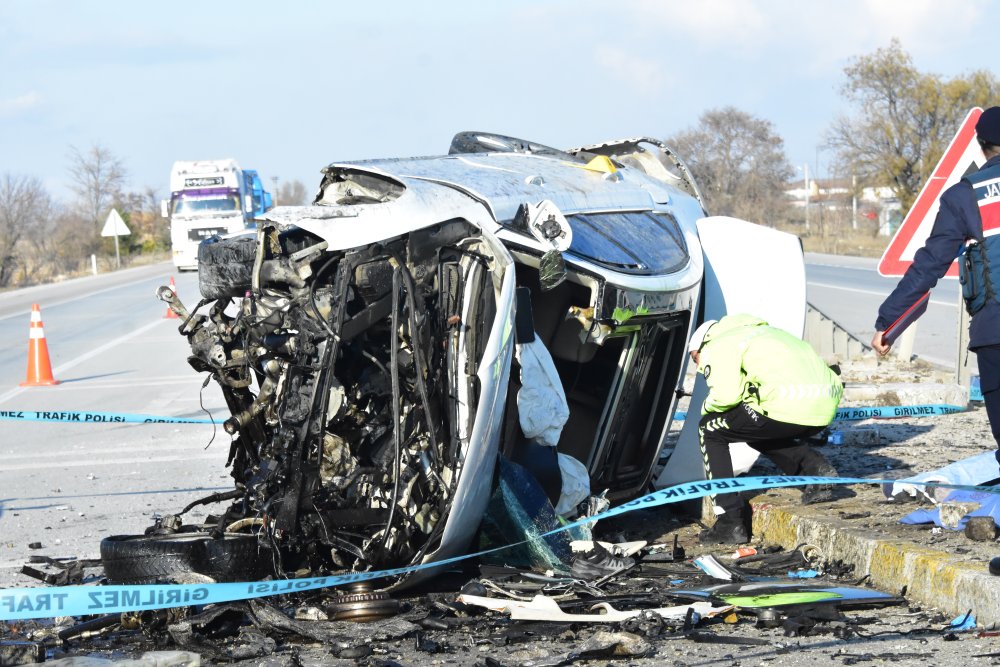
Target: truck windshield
x=206, y=205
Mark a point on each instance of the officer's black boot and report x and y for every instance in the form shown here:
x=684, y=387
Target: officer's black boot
x=728, y=529
x=818, y=466
x=733, y=525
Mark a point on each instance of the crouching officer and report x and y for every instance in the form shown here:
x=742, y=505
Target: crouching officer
x=768, y=389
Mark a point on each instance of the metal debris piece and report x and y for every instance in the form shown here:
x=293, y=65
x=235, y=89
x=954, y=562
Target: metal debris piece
x=713, y=568
x=21, y=653
x=542, y=608
x=362, y=604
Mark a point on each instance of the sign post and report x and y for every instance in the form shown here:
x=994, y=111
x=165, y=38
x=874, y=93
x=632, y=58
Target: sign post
x=115, y=227
x=963, y=156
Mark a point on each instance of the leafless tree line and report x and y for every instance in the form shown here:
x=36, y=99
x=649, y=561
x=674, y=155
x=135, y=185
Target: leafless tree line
x=42, y=239
x=902, y=122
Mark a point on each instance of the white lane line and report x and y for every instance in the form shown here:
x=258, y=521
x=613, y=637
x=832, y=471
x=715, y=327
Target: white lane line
x=193, y=380
x=59, y=370
x=936, y=302
x=195, y=449
x=112, y=462
x=88, y=295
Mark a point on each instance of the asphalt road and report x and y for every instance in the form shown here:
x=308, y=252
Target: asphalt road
x=66, y=485
x=849, y=290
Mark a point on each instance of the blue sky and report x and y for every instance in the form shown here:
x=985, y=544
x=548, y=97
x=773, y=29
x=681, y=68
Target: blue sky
x=287, y=88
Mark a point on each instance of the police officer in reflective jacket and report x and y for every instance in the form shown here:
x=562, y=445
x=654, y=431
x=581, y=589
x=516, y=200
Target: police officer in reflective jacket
x=768, y=389
x=968, y=222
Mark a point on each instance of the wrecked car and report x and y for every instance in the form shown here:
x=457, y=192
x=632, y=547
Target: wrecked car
x=378, y=348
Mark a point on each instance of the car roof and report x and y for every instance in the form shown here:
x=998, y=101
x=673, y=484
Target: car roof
x=504, y=181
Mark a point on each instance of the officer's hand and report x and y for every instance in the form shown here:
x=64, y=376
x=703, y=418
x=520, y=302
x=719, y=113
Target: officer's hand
x=878, y=345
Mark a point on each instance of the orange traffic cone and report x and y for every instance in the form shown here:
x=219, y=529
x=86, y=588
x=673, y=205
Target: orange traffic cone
x=171, y=315
x=39, y=367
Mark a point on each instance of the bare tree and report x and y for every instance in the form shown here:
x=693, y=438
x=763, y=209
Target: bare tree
x=292, y=193
x=98, y=177
x=24, y=203
x=739, y=163
x=903, y=118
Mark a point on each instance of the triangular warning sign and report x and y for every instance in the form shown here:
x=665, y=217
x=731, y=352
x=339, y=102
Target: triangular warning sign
x=115, y=226
x=962, y=157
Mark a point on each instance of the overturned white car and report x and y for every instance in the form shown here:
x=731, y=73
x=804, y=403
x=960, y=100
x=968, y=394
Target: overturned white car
x=366, y=348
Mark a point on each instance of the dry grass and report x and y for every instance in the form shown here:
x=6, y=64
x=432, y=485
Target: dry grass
x=841, y=240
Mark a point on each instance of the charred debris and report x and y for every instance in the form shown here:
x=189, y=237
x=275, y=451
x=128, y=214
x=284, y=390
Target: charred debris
x=348, y=455
x=620, y=601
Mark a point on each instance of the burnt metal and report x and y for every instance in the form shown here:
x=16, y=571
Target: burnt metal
x=338, y=368
x=362, y=605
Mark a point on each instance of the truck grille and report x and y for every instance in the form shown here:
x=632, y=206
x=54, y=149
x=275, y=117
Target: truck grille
x=205, y=232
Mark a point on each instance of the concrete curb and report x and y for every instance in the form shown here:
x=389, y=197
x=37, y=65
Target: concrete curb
x=931, y=577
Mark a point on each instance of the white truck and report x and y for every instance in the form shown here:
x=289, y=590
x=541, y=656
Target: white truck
x=208, y=198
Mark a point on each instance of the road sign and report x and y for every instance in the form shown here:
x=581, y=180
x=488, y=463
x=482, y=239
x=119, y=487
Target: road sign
x=115, y=226
x=962, y=157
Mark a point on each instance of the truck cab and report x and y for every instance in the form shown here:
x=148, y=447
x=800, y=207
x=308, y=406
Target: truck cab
x=210, y=198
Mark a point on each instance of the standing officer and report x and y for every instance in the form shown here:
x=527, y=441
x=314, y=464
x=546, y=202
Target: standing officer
x=768, y=389
x=969, y=215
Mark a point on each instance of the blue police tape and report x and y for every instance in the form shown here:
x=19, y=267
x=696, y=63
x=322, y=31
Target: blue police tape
x=881, y=412
x=896, y=411
x=94, y=417
x=843, y=414
x=25, y=603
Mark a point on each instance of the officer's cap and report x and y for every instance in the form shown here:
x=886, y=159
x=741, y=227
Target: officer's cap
x=988, y=126
x=698, y=337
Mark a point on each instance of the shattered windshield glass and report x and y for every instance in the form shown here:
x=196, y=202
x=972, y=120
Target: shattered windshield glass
x=640, y=242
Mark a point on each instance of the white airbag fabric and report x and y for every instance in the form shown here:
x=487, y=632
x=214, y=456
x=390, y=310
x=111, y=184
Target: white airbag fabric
x=541, y=401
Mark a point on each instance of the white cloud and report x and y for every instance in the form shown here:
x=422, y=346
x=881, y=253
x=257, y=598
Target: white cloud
x=819, y=34
x=642, y=74
x=709, y=23
x=20, y=104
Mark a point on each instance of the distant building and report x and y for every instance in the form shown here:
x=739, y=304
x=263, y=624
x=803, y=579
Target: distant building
x=835, y=195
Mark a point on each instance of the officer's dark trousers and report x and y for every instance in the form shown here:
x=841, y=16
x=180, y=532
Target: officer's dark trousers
x=989, y=383
x=776, y=440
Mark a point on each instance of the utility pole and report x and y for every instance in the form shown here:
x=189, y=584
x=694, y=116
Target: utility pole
x=854, y=202
x=274, y=180
x=805, y=174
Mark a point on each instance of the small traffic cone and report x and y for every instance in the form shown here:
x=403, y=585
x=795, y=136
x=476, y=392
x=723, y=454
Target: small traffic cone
x=171, y=315
x=39, y=367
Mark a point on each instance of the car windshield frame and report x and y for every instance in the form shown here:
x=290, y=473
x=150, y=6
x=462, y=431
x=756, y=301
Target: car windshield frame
x=633, y=242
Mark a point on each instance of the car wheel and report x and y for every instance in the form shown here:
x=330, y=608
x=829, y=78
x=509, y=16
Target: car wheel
x=141, y=559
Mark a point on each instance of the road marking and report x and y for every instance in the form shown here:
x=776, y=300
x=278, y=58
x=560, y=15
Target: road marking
x=88, y=295
x=157, y=447
x=936, y=302
x=47, y=465
x=59, y=370
x=193, y=380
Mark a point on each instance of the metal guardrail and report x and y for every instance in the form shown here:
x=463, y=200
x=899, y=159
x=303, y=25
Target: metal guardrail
x=829, y=339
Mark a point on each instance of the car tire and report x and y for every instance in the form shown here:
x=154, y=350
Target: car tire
x=142, y=559
x=225, y=266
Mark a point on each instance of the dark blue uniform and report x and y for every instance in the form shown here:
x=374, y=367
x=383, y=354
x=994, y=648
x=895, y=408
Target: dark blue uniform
x=958, y=221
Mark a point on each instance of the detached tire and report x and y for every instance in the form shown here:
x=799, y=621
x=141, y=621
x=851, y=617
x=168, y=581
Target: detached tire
x=141, y=559
x=225, y=265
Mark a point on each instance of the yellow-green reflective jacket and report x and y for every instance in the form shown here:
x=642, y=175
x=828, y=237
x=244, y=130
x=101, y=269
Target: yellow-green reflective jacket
x=746, y=360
